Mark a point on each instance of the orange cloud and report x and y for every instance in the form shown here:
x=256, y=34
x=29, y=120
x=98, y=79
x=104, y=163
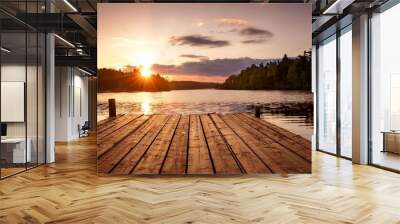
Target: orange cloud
x=233, y=22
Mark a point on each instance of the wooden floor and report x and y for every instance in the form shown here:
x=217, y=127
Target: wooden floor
x=70, y=191
x=218, y=144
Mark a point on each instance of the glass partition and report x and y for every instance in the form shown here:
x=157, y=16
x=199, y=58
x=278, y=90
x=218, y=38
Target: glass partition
x=41, y=97
x=22, y=66
x=14, y=153
x=31, y=97
x=327, y=95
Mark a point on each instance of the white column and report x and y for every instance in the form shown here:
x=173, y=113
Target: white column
x=50, y=98
x=360, y=90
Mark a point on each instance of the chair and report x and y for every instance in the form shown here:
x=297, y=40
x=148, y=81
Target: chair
x=84, y=130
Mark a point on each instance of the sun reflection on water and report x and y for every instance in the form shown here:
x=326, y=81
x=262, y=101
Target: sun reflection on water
x=146, y=107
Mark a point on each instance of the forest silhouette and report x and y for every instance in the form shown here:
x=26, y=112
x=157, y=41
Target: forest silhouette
x=284, y=74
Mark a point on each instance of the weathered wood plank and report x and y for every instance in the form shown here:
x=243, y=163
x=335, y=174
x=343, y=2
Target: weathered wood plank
x=105, y=120
x=281, y=139
x=130, y=161
x=278, y=158
x=176, y=159
x=249, y=161
x=154, y=157
x=257, y=147
x=199, y=144
x=103, y=136
x=223, y=160
x=114, y=138
x=115, y=154
x=111, y=121
x=199, y=161
x=290, y=135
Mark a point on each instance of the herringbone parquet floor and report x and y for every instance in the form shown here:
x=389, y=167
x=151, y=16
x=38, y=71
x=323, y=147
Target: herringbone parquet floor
x=70, y=191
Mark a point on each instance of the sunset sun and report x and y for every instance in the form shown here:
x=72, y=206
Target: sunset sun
x=145, y=71
x=145, y=62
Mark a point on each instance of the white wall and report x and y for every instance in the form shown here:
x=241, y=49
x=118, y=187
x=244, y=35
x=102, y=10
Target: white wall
x=71, y=102
x=15, y=72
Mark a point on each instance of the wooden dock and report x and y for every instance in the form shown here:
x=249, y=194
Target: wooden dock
x=221, y=144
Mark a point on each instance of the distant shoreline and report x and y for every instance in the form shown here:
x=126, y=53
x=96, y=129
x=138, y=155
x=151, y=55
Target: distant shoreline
x=258, y=90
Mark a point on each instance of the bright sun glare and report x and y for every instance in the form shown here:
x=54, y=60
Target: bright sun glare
x=145, y=71
x=145, y=65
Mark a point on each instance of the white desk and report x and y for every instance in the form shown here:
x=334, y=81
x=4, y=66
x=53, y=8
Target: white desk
x=18, y=149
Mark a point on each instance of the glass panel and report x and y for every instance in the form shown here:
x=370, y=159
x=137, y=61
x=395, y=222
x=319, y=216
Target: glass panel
x=13, y=86
x=31, y=98
x=23, y=90
x=327, y=96
x=385, y=89
x=32, y=88
x=346, y=93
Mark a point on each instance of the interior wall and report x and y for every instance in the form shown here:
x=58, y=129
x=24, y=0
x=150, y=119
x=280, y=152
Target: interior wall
x=16, y=73
x=71, y=102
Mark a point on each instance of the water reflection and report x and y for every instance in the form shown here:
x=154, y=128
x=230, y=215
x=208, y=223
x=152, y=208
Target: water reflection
x=146, y=107
x=213, y=101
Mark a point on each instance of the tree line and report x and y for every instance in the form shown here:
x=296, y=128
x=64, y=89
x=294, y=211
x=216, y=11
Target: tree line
x=111, y=80
x=284, y=74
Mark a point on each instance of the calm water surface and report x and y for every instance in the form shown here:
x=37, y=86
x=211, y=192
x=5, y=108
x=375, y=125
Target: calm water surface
x=208, y=101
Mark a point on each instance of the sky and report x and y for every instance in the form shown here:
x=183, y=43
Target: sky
x=200, y=42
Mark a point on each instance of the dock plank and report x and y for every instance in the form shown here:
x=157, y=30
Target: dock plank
x=109, y=122
x=199, y=144
x=263, y=152
x=261, y=144
x=129, y=162
x=279, y=138
x=176, y=159
x=199, y=161
x=249, y=161
x=154, y=157
x=291, y=135
x=102, y=136
x=107, y=142
x=112, y=157
x=223, y=159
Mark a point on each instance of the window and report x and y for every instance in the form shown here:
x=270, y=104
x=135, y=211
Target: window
x=326, y=101
x=346, y=95
x=385, y=89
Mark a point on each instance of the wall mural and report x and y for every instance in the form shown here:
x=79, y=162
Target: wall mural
x=204, y=89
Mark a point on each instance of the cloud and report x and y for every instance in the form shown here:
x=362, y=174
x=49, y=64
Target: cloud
x=198, y=24
x=193, y=56
x=255, y=35
x=254, y=41
x=252, y=31
x=198, y=41
x=217, y=67
x=233, y=22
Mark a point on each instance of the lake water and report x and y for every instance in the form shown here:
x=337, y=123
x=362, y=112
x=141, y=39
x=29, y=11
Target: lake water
x=209, y=101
